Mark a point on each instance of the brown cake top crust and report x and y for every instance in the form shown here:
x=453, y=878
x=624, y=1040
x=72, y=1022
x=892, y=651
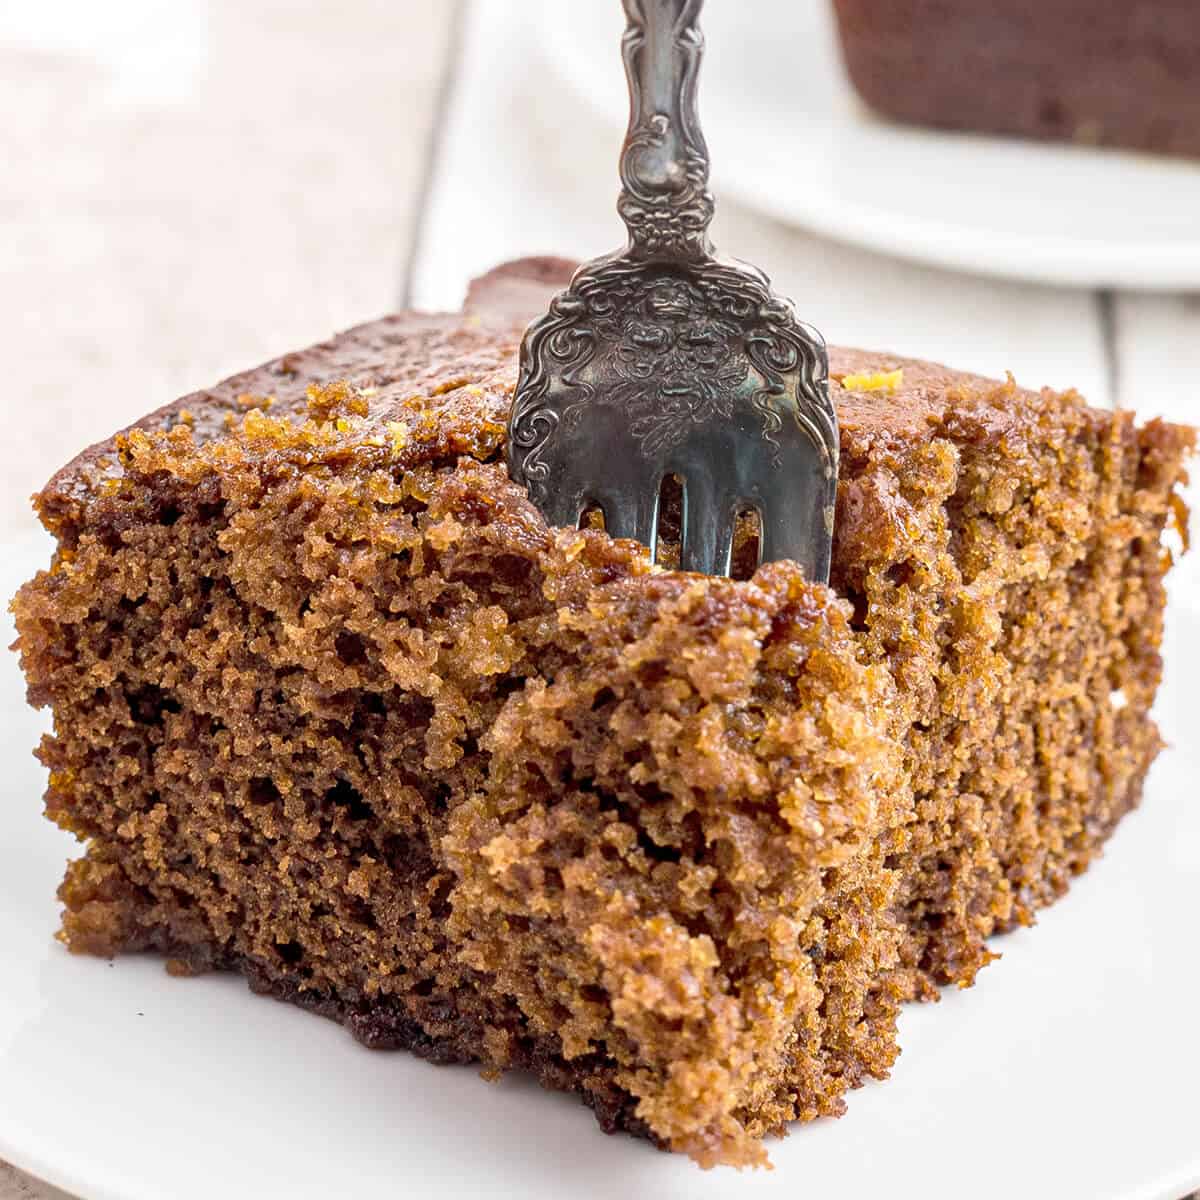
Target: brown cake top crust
x=425, y=390
x=439, y=385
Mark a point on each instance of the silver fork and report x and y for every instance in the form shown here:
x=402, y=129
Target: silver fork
x=662, y=359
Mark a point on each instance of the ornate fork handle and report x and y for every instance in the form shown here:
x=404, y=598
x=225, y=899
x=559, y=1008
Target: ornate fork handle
x=665, y=202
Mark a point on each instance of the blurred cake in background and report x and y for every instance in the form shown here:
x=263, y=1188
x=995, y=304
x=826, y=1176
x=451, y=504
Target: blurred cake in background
x=1115, y=74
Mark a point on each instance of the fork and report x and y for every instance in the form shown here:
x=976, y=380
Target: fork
x=662, y=359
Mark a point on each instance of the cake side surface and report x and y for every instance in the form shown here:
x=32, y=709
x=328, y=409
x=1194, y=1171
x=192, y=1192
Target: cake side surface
x=1010, y=570
x=334, y=708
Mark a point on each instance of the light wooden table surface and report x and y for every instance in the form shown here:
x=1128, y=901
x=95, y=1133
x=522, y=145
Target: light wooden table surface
x=190, y=189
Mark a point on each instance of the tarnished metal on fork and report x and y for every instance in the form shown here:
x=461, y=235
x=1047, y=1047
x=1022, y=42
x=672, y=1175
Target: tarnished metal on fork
x=662, y=359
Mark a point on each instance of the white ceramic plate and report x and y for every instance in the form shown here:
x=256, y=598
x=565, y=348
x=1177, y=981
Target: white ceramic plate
x=789, y=137
x=1069, y=1072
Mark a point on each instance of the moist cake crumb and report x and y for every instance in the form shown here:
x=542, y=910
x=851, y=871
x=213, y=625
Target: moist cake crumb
x=335, y=709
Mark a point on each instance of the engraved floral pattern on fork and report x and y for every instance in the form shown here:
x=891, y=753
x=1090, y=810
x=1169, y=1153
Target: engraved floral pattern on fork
x=671, y=352
x=663, y=359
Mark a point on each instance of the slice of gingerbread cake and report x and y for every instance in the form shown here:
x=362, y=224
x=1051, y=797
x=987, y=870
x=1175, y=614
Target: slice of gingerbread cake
x=335, y=709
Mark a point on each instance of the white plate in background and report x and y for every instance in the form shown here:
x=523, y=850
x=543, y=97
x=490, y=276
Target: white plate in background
x=789, y=137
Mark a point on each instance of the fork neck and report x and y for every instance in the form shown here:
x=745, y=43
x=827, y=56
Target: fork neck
x=664, y=202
